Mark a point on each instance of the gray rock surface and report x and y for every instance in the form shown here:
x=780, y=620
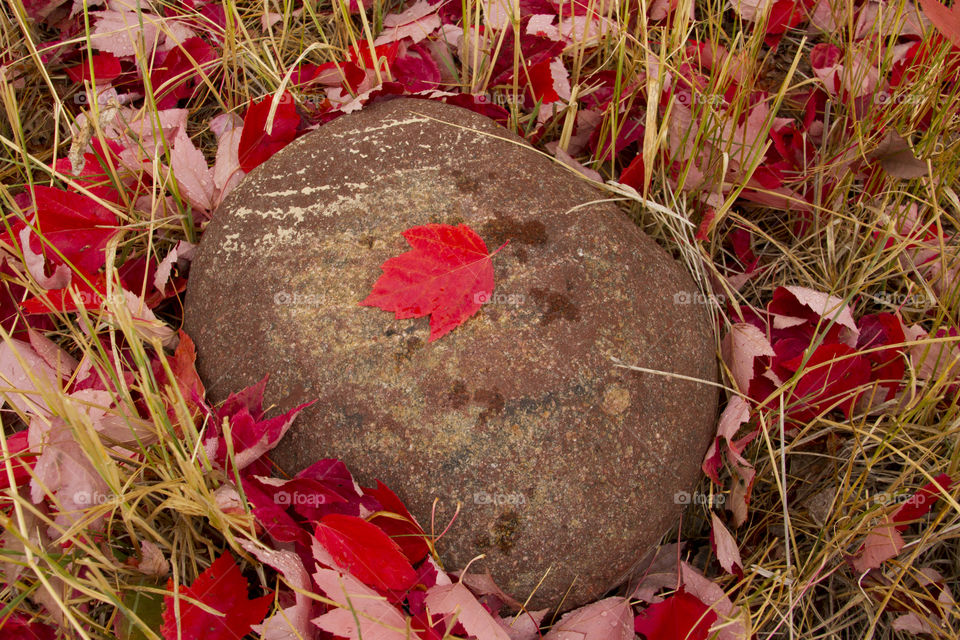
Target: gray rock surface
x=565, y=466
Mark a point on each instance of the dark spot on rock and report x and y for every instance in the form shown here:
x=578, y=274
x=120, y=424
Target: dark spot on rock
x=352, y=422
x=521, y=255
x=505, y=531
x=366, y=241
x=412, y=344
x=298, y=394
x=452, y=465
x=466, y=183
x=459, y=396
x=493, y=401
x=482, y=542
x=505, y=227
x=554, y=306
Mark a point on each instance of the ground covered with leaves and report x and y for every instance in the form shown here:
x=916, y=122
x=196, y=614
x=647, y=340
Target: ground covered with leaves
x=800, y=157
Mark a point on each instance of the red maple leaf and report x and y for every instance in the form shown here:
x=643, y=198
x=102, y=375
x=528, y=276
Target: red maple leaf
x=398, y=523
x=448, y=275
x=679, y=617
x=223, y=588
x=365, y=551
x=256, y=143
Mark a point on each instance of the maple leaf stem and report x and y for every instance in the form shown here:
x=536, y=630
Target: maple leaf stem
x=501, y=247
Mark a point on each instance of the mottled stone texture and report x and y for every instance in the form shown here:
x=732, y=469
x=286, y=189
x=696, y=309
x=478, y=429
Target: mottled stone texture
x=562, y=462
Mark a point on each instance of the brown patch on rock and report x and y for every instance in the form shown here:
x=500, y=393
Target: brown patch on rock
x=580, y=480
x=459, y=396
x=505, y=228
x=555, y=306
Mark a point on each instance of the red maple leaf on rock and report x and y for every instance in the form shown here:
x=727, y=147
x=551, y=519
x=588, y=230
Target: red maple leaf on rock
x=448, y=275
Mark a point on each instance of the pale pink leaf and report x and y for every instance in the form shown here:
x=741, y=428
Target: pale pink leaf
x=542, y=25
x=194, y=178
x=63, y=470
x=36, y=265
x=416, y=23
x=607, y=619
x=830, y=308
x=25, y=376
x=483, y=584
x=750, y=10
x=455, y=600
x=524, y=625
x=726, y=547
x=152, y=562
x=882, y=543
x=183, y=251
x=119, y=32
x=574, y=164
x=55, y=357
x=361, y=612
x=294, y=621
x=741, y=347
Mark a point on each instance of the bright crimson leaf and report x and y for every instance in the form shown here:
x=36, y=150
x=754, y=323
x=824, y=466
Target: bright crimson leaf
x=90, y=296
x=223, y=588
x=20, y=459
x=920, y=503
x=256, y=143
x=448, y=275
x=679, y=617
x=76, y=225
x=365, y=551
x=106, y=67
x=404, y=529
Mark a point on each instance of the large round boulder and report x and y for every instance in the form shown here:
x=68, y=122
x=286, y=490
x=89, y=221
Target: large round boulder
x=564, y=465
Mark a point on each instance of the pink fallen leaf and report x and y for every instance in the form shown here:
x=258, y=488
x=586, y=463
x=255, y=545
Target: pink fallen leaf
x=194, y=177
x=64, y=471
x=227, y=173
x=182, y=251
x=946, y=21
x=725, y=547
x=293, y=621
x=152, y=561
x=119, y=32
x=524, y=625
x=793, y=305
x=607, y=619
x=417, y=22
x=734, y=415
x=745, y=348
x=456, y=601
x=882, y=543
x=361, y=612
x=483, y=584
x=27, y=376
